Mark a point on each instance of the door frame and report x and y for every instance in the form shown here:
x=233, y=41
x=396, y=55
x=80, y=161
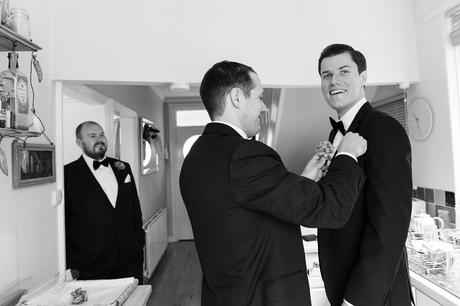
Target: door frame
x=171, y=107
x=110, y=107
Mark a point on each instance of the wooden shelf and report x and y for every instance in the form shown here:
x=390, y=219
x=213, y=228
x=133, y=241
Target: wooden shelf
x=10, y=40
x=17, y=133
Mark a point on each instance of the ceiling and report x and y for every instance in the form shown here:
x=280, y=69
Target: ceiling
x=163, y=91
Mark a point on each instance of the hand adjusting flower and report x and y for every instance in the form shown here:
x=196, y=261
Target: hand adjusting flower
x=325, y=150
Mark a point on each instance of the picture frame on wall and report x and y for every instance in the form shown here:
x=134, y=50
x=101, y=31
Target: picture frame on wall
x=32, y=164
x=150, y=144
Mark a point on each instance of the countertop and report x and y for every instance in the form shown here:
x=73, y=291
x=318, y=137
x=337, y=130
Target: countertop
x=433, y=291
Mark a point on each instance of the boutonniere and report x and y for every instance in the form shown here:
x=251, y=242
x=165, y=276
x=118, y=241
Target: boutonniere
x=326, y=150
x=119, y=165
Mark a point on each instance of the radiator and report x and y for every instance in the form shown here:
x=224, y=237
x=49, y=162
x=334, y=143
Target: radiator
x=156, y=241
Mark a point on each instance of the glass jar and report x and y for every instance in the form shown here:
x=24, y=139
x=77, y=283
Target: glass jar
x=18, y=21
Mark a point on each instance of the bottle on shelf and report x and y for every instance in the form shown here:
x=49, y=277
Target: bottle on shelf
x=16, y=85
x=3, y=104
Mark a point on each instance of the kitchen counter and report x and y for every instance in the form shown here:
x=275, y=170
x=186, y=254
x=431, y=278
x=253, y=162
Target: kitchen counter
x=429, y=293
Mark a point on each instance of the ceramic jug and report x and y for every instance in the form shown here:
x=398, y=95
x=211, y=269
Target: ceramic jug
x=426, y=225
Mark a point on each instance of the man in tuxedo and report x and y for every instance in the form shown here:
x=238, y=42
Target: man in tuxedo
x=365, y=262
x=104, y=235
x=245, y=207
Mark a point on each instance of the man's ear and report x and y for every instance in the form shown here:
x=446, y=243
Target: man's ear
x=235, y=95
x=364, y=77
x=79, y=142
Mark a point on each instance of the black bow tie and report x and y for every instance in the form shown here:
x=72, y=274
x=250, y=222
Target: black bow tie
x=97, y=164
x=337, y=126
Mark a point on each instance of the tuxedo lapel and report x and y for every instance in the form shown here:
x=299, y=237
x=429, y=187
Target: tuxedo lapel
x=359, y=117
x=332, y=134
x=118, y=173
x=355, y=123
x=89, y=179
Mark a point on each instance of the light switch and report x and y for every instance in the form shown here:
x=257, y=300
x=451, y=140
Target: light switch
x=56, y=197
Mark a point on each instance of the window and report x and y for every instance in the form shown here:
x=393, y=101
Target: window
x=395, y=107
x=188, y=144
x=192, y=117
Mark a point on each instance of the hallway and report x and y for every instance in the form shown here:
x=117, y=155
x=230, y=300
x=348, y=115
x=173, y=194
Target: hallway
x=177, y=279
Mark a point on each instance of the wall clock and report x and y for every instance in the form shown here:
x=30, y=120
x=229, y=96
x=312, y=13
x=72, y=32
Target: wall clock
x=419, y=119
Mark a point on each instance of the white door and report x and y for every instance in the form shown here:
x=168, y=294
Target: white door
x=186, y=123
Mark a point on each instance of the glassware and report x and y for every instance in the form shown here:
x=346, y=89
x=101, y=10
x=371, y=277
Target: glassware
x=18, y=21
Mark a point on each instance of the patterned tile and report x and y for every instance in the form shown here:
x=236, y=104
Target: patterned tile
x=429, y=195
x=421, y=193
x=440, y=197
x=450, y=199
x=431, y=209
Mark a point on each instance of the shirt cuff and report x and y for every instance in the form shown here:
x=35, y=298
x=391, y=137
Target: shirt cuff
x=348, y=154
x=345, y=302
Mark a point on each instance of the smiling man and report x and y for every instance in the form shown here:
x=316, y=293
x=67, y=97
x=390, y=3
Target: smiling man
x=104, y=235
x=372, y=269
x=245, y=207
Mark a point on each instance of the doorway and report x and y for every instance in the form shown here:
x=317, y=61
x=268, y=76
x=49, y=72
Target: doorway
x=186, y=124
x=76, y=103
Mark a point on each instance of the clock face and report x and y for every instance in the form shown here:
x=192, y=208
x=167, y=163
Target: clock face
x=419, y=119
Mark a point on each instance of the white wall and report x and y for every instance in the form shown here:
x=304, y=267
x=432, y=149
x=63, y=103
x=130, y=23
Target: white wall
x=161, y=41
x=28, y=210
x=432, y=159
x=302, y=124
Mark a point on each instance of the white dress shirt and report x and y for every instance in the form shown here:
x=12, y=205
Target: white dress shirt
x=105, y=177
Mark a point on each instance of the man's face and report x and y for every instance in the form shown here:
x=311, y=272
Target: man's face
x=341, y=83
x=252, y=108
x=93, y=141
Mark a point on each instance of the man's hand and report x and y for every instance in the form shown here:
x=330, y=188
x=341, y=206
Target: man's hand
x=353, y=143
x=313, y=169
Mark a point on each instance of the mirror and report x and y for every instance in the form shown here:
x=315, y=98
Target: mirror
x=150, y=147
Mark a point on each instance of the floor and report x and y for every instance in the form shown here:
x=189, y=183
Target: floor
x=177, y=279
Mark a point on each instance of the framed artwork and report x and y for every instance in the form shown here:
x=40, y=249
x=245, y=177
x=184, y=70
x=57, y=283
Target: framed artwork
x=32, y=164
x=150, y=147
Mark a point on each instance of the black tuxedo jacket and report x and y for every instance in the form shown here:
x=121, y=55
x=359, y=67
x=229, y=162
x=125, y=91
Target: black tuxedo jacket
x=365, y=261
x=245, y=208
x=99, y=236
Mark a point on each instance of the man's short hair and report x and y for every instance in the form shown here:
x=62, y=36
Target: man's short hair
x=336, y=49
x=219, y=80
x=81, y=125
